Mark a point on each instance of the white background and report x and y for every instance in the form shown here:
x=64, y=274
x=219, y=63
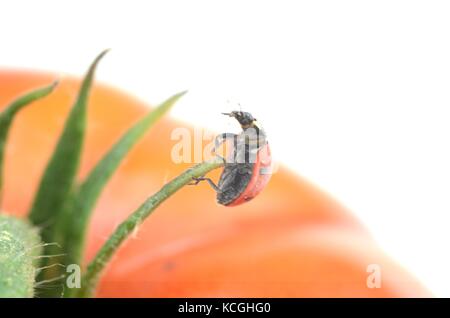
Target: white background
x=355, y=95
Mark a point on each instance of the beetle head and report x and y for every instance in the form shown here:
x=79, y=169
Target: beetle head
x=244, y=118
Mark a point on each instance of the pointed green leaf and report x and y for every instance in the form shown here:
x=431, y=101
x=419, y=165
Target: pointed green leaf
x=58, y=180
x=8, y=115
x=89, y=191
x=59, y=175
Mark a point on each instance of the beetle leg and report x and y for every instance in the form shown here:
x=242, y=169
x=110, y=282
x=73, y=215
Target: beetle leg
x=194, y=181
x=220, y=139
x=200, y=179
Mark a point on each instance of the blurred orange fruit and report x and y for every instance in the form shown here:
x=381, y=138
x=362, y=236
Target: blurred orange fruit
x=293, y=240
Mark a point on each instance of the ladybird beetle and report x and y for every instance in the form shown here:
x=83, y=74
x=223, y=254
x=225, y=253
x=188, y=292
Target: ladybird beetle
x=248, y=167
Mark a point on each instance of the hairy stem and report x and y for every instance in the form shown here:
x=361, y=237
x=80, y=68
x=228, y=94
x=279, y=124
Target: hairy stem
x=95, y=268
x=20, y=244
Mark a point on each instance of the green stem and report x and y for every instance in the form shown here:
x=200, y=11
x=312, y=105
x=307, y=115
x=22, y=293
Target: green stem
x=95, y=268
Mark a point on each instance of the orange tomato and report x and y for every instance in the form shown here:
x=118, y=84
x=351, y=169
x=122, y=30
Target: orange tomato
x=293, y=240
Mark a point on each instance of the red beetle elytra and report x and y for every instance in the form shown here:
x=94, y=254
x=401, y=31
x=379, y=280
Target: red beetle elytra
x=248, y=168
